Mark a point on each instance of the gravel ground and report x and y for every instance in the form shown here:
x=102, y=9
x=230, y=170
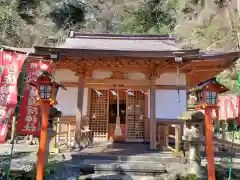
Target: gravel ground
x=24, y=158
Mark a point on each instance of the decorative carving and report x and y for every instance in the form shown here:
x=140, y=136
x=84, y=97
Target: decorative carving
x=117, y=75
x=88, y=74
x=80, y=74
x=152, y=75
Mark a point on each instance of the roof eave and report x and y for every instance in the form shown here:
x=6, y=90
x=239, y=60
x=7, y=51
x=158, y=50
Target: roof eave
x=99, y=52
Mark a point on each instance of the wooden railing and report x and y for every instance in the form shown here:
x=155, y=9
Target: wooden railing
x=167, y=131
x=65, y=135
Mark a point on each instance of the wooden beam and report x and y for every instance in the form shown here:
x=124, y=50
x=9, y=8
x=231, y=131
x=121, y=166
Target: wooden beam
x=70, y=84
x=116, y=81
x=171, y=87
x=121, y=69
x=107, y=86
x=205, y=70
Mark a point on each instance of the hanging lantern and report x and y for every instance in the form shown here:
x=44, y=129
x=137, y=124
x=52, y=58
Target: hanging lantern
x=47, y=88
x=207, y=93
x=45, y=91
x=207, y=97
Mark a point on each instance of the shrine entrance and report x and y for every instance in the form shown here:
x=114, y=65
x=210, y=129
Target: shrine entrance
x=132, y=114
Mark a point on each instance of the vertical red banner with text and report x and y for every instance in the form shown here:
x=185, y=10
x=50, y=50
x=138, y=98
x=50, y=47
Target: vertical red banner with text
x=29, y=121
x=10, y=64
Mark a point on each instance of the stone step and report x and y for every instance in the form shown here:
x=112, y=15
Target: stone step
x=131, y=168
x=119, y=167
x=158, y=157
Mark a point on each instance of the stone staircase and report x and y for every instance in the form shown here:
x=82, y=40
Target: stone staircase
x=115, y=167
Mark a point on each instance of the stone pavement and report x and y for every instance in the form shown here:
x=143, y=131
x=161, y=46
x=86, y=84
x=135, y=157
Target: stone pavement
x=25, y=157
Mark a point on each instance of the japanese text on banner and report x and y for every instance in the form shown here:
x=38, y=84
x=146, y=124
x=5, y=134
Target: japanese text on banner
x=29, y=123
x=10, y=67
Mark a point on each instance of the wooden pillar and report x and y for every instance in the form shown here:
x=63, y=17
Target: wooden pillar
x=209, y=143
x=146, y=122
x=79, y=110
x=153, y=142
x=166, y=135
x=177, y=138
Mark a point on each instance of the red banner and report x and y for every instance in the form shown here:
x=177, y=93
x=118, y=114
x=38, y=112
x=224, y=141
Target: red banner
x=29, y=121
x=11, y=65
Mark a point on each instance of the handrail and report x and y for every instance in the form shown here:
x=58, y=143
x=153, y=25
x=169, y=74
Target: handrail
x=167, y=135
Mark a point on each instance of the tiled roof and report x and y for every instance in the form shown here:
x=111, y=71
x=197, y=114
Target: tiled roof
x=120, y=42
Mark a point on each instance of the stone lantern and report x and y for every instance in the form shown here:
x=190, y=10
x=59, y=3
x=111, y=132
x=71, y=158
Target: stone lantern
x=192, y=138
x=206, y=100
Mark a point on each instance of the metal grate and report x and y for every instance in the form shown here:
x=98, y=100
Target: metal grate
x=136, y=116
x=99, y=113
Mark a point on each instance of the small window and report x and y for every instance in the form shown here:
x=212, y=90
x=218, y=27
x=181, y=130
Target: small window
x=211, y=97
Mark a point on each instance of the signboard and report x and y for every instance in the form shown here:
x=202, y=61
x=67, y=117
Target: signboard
x=10, y=67
x=29, y=121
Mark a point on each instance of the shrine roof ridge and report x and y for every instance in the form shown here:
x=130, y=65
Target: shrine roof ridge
x=75, y=34
x=120, y=42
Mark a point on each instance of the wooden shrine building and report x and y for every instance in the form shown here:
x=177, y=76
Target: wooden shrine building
x=125, y=85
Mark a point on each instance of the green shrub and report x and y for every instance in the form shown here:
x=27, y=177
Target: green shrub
x=189, y=177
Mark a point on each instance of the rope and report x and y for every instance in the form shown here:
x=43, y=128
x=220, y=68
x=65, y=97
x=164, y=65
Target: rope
x=178, y=88
x=17, y=110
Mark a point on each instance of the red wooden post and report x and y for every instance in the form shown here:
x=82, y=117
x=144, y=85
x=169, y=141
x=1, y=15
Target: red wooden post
x=209, y=142
x=45, y=106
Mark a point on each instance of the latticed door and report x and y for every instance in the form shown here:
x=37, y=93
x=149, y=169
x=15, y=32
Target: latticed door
x=136, y=116
x=99, y=113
